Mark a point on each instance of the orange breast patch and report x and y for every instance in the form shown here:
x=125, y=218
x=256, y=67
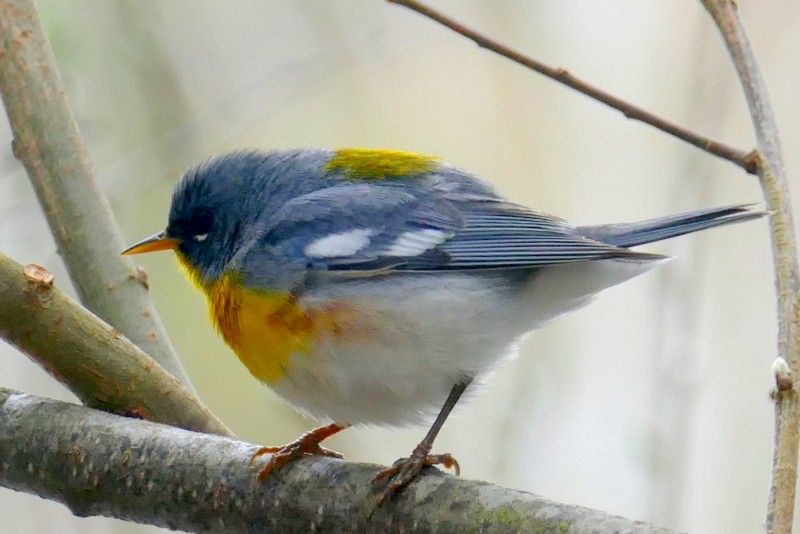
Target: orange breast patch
x=265, y=328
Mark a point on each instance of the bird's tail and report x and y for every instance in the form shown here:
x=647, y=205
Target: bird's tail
x=638, y=233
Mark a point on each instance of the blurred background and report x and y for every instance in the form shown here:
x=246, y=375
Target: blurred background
x=652, y=403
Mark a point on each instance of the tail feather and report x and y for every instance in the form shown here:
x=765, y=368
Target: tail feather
x=638, y=233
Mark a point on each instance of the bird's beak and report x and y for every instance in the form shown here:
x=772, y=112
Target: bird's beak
x=155, y=242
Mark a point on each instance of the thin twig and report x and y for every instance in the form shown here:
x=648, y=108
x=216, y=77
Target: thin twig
x=100, y=464
x=717, y=148
x=771, y=169
x=93, y=360
x=47, y=141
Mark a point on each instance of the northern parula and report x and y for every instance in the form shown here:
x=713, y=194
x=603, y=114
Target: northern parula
x=375, y=286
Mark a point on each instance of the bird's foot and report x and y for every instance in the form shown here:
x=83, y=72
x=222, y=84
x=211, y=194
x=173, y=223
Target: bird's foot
x=306, y=445
x=405, y=470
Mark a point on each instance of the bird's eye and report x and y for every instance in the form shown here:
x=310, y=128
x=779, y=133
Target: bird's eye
x=200, y=225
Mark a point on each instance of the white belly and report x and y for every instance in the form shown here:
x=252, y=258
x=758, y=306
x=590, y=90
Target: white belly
x=419, y=335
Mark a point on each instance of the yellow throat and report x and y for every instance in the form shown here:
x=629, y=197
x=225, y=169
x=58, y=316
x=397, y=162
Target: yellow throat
x=264, y=328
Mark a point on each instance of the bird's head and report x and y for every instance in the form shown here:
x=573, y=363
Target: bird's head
x=208, y=214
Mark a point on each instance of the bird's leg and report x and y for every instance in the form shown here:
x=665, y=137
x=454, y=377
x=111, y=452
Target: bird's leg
x=305, y=445
x=405, y=470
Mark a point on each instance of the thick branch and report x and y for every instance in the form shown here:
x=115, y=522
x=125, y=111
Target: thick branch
x=772, y=171
x=47, y=141
x=100, y=464
x=93, y=360
x=717, y=148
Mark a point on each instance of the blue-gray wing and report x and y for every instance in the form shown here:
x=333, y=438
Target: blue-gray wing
x=360, y=228
x=366, y=229
x=500, y=235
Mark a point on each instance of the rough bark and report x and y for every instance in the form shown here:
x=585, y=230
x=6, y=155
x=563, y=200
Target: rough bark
x=101, y=464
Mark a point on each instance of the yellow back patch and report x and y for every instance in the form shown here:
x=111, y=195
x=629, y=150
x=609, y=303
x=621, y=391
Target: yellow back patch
x=371, y=164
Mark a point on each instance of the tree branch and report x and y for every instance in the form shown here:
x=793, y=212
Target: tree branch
x=717, y=148
x=47, y=141
x=100, y=464
x=771, y=170
x=93, y=360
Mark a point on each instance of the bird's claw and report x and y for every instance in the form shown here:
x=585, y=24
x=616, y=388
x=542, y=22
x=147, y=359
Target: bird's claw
x=405, y=470
x=305, y=445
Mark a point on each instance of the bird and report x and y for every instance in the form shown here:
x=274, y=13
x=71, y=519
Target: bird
x=376, y=287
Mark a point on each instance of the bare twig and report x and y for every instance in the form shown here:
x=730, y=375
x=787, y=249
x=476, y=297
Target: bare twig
x=772, y=172
x=717, y=148
x=47, y=141
x=100, y=464
x=768, y=163
x=93, y=360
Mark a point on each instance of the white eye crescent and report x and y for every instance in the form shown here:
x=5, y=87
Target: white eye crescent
x=200, y=238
